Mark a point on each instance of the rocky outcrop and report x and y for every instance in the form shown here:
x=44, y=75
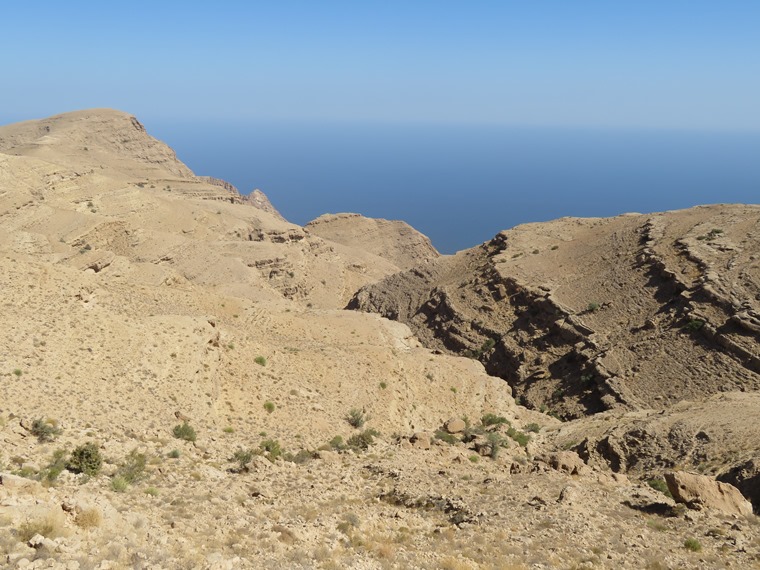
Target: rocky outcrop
x=698, y=492
x=395, y=241
x=259, y=200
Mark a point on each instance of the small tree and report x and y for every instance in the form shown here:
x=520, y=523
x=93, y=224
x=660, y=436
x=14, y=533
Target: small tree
x=86, y=459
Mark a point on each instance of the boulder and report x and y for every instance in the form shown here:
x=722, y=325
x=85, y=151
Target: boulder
x=454, y=425
x=700, y=491
x=567, y=461
x=421, y=440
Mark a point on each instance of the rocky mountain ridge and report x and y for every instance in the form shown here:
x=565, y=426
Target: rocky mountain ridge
x=181, y=388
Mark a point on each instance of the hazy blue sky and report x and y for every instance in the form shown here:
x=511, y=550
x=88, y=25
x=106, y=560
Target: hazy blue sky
x=664, y=63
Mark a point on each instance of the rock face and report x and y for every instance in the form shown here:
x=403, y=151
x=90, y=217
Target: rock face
x=698, y=491
x=585, y=315
x=395, y=241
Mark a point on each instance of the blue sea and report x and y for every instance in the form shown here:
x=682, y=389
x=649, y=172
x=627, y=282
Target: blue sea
x=460, y=185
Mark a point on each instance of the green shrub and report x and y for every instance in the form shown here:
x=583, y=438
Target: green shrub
x=119, y=484
x=242, y=457
x=694, y=325
x=449, y=438
x=17, y=371
x=271, y=448
x=356, y=418
x=660, y=485
x=362, y=440
x=337, y=443
x=592, y=307
x=692, y=544
x=493, y=420
x=269, y=407
x=133, y=468
x=174, y=454
x=260, y=360
x=184, y=431
x=56, y=466
x=85, y=459
x=44, y=430
x=533, y=428
x=494, y=443
x=520, y=437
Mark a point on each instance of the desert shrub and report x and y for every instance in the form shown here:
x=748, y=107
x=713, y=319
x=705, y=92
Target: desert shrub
x=303, y=456
x=494, y=443
x=269, y=407
x=45, y=430
x=520, y=437
x=133, y=468
x=260, y=360
x=229, y=429
x=660, y=485
x=119, y=484
x=356, y=418
x=184, y=431
x=694, y=325
x=17, y=371
x=533, y=428
x=56, y=466
x=85, y=459
x=45, y=527
x=449, y=438
x=271, y=448
x=174, y=454
x=362, y=440
x=337, y=443
x=592, y=307
x=88, y=518
x=242, y=457
x=493, y=420
x=692, y=544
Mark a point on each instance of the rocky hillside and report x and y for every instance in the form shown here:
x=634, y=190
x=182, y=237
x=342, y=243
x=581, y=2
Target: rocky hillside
x=180, y=387
x=585, y=315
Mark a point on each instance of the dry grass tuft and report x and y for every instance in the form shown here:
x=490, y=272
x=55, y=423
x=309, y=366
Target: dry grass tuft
x=88, y=518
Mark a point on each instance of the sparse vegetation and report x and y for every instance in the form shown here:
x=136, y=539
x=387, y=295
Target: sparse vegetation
x=45, y=430
x=184, y=431
x=17, y=372
x=260, y=360
x=88, y=518
x=85, y=459
x=692, y=544
x=493, y=420
x=131, y=471
x=362, y=440
x=269, y=407
x=271, y=448
x=356, y=418
x=242, y=457
x=449, y=438
x=660, y=485
x=28, y=529
x=533, y=428
x=694, y=325
x=174, y=454
x=592, y=307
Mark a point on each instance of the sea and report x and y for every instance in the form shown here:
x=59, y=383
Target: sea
x=462, y=184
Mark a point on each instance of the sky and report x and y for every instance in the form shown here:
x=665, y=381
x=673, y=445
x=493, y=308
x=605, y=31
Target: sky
x=670, y=64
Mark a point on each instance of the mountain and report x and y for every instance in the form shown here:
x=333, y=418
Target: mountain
x=182, y=387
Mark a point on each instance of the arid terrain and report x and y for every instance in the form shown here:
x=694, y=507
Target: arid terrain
x=187, y=380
